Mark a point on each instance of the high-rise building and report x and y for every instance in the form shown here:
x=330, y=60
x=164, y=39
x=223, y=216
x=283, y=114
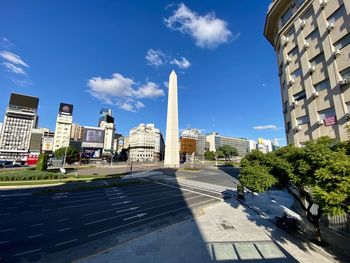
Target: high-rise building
x=215, y=141
x=106, y=122
x=76, y=133
x=199, y=138
x=311, y=39
x=63, y=126
x=146, y=143
x=20, y=119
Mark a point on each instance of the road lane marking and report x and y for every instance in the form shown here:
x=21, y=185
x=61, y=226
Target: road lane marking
x=34, y=236
x=12, y=207
x=66, y=242
x=28, y=212
x=27, y=252
x=190, y=191
x=64, y=229
x=4, y=242
x=150, y=201
x=114, y=228
x=13, y=195
x=39, y=224
x=136, y=216
x=7, y=230
x=119, y=197
x=148, y=208
x=62, y=219
x=5, y=214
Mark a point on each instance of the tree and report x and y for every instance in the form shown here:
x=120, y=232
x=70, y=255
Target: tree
x=42, y=162
x=72, y=154
x=227, y=151
x=209, y=155
x=317, y=175
x=257, y=178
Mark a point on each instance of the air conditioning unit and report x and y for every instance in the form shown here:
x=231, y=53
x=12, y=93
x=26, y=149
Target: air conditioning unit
x=330, y=26
x=306, y=45
x=297, y=128
x=323, y=3
x=294, y=104
x=315, y=94
x=289, y=60
x=336, y=53
x=344, y=82
x=285, y=40
x=291, y=82
x=302, y=23
x=312, y=69
x=319, y=122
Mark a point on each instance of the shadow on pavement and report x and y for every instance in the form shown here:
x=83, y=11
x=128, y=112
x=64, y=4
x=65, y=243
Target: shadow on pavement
x=278, y=234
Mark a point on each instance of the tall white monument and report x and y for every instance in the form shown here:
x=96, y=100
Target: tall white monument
x=172, y=158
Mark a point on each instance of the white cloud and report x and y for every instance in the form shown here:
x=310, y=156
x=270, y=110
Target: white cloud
x=122, y=91
x=13, y=58
x=149, y=90
x=6, y=43
x=183, y=63
x=22, y=83
x=266, y=127
x=208, y=31
x=12, y=68
x=155, y=57
x=139, y=105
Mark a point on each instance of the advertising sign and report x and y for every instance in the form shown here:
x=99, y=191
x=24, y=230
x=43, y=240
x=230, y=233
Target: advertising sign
x=47, y=144
x=329, y=121
x=24, y=101
x=93, y=137
x=66, y=109
x=32, y=159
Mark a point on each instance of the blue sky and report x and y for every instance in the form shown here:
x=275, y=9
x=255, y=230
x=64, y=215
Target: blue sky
x=119, y=54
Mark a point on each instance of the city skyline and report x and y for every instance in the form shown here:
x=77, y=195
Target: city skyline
x=139, y=87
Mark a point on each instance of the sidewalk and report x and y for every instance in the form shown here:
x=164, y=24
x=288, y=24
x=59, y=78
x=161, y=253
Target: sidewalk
x=225, y=232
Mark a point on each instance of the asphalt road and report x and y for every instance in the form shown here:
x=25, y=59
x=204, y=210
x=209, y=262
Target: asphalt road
x=224, y=176
x=34, y=225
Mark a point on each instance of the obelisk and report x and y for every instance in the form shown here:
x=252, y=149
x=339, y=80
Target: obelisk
x=172, y=151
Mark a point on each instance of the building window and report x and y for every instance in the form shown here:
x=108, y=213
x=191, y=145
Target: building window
x=345, y=74
x=327, y=113
x=322, y=85
x=314, y=35
x=295, y=74
x=343, y=42
x=288, y=127
x=286, y=16
x=317, y=60
x=303, y=119
x=300, y=95
x=336, y=15
x=293, y=52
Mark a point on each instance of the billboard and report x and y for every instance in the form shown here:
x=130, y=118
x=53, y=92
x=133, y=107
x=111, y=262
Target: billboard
x=47, y=145
x=66, y=109
x=93, y=137
x=24, y=101
x=109, y=119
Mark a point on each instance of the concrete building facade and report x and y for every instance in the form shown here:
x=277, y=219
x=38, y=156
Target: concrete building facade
x=20, y=119
x=106, y=122
x=146, y=144
x=199, y=138
x=312, y=41
x=76, y=133
x=62, y=132
x=215, y=141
